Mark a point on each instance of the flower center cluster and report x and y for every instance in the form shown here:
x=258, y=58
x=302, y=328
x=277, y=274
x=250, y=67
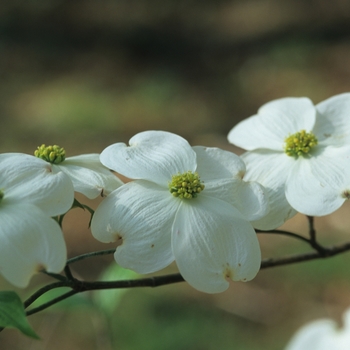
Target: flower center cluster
x=186, y=185
x=300, y=143
x=52, y=154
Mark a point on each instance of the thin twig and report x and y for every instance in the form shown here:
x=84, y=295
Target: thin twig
x=89, y=255
x=313, y=241
x=153, y=282
x=312, y=231
x=51, y=302
x=43, y=290
x=82, y=286
x=68, y=273
x=285, y=233
x=328, y=252
x=54, y=275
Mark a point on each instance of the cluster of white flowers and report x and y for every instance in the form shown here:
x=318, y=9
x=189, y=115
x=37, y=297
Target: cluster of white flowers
x=197, y=206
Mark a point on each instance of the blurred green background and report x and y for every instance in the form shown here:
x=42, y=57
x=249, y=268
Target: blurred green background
x=85, y=74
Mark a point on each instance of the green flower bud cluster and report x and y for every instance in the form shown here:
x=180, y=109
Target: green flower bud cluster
x=186, y=185
x=300, y=143
x=52, y=154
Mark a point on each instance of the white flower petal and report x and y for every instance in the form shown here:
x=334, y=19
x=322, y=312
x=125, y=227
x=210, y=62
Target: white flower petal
x=214, y=164
x=313, y=185
x=317, y=335
x=88, y=175
x=212, y=243
x=271, y=170
x=222, y=175
x=152, y=155
x=30, y=241
x=225, y=190
x=27, y=178
x=252, y=200
x=274, y=122
x=280, y=211
x=322, y=334
x=141, y=214
x=332, y=123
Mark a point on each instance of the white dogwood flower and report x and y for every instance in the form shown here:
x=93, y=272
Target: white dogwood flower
x=300, y=153
x=30, y=239
x=186, y=204
x=322, y=334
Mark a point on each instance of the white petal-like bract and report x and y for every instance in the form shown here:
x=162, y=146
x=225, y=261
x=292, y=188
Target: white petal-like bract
x=275, y=121
x=140, y=214
x=312, y=186
x=88, y=175
x=209, y=251
x=150, y=156
x=280, y=210
x=322, y=334
x=30, y=179
x=30, y=242
x=332, y=123
x=224, y=176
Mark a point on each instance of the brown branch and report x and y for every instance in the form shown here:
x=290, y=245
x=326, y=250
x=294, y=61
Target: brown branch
x=325, y=253
x=82, y=286
x=312, y=241
x=284, y=233
x=156, y=281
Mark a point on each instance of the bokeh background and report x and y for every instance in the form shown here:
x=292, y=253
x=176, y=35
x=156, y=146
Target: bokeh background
x=85, y=74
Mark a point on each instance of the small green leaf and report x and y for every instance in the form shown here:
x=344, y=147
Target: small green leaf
x=109, y=299
x=12, y=314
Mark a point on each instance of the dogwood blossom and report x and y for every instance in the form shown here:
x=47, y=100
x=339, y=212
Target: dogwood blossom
x=30, y=239
x=186, y=204
x=86, y=172
x=322, y=334
x=300, y=153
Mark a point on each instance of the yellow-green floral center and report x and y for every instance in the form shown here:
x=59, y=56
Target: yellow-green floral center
x=300, y=143
x=186, y=185
x=52, y=154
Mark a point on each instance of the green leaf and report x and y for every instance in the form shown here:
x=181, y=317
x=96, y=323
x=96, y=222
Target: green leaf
x=12, y=314
x=109, y=299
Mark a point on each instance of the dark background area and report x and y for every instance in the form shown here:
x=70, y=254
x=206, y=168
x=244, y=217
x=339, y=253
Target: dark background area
x=85, y=74
x=82, y=70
